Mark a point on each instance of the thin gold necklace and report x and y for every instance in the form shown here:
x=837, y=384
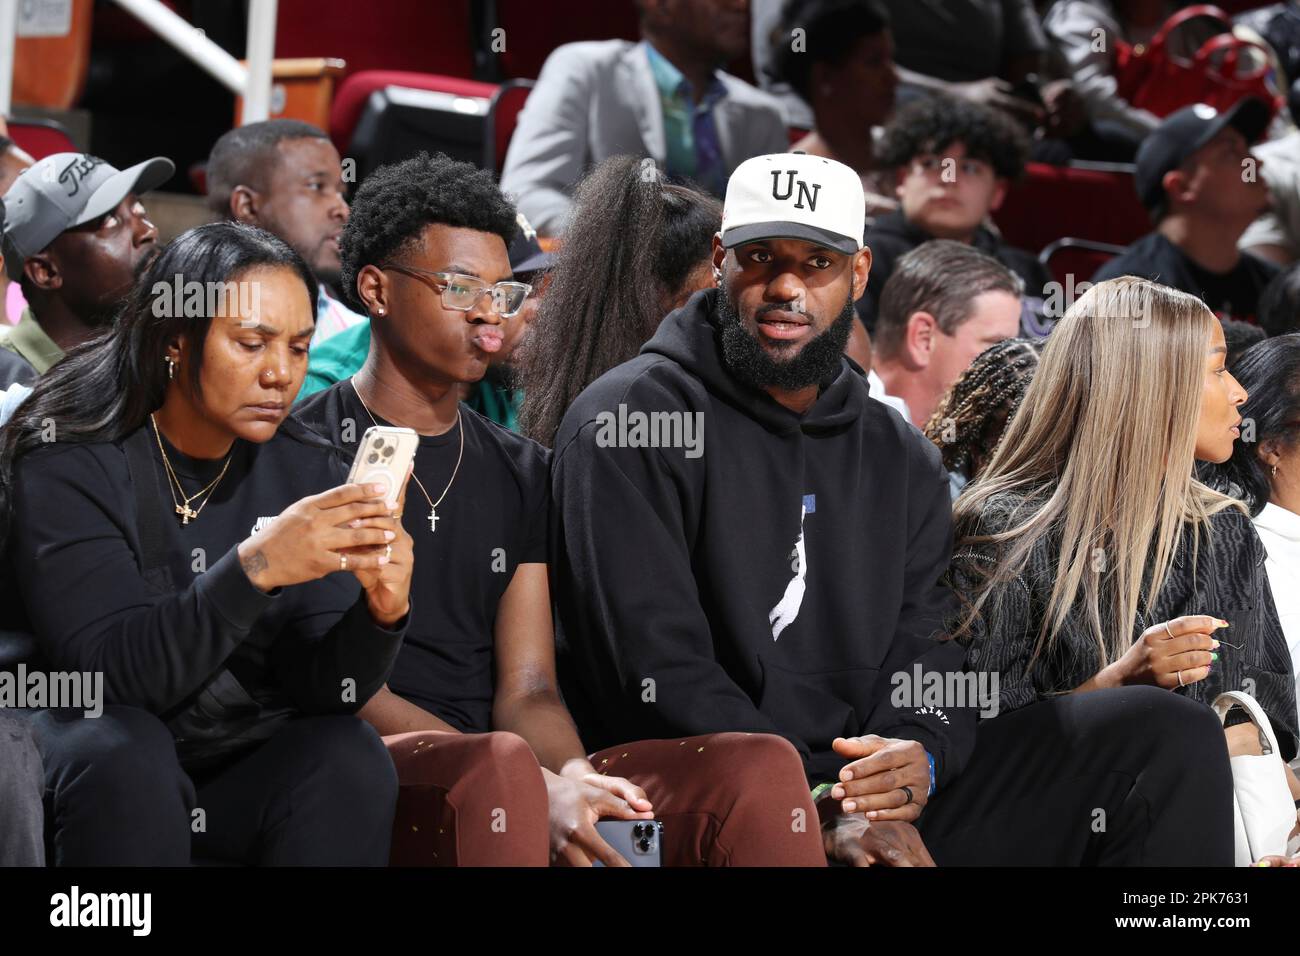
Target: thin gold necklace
x=174, y=483
x=433, y=505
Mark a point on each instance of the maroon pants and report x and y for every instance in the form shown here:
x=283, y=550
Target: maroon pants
x=729, y=799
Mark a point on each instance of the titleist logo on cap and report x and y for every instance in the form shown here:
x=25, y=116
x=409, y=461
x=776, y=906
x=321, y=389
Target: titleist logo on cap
x=72, y=175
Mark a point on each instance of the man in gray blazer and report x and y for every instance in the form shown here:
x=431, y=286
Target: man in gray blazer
x=664, y=98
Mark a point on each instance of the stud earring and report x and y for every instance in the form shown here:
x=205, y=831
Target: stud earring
x=1275, y=471
x=380, y=310
x=171, y=368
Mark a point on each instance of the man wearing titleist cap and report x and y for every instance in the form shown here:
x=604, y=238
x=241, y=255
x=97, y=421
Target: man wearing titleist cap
x=1198, y=179
x=74, y=234
x=797, y=553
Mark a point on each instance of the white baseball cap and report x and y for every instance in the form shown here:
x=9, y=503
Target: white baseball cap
x=795, y=196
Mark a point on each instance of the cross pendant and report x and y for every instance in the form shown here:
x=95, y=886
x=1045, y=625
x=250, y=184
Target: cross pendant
x=433, y=519
x=186, y=513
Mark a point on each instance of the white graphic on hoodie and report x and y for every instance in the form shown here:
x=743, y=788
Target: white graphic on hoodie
x=787, y=609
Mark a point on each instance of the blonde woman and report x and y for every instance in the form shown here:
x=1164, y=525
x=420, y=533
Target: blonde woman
x=1091, y=564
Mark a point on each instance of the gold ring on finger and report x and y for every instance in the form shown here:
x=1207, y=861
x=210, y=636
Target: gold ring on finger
x=343, y=562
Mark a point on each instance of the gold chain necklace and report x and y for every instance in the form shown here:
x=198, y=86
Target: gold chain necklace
x=433, y=505
x=183, y=507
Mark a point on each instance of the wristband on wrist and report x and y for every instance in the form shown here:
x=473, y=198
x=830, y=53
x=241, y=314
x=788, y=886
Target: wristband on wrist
x=930, y=758
x=820, y=790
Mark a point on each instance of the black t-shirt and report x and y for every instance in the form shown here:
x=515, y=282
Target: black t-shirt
x=197, y=638
x=494, y=518
x=1232, y=294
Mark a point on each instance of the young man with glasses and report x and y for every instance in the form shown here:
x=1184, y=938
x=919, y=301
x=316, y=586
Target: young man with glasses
x=495, y=394
x=491, y=766
x=953, y=163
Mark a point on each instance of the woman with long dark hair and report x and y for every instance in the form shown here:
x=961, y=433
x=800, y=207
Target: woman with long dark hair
x=636, y=248
x=1264, y=471
x=166, y=533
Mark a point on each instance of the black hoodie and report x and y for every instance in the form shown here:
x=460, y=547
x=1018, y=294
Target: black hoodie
x=688, y=599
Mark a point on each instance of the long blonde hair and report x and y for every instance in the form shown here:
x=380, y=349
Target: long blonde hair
x=1101, y=454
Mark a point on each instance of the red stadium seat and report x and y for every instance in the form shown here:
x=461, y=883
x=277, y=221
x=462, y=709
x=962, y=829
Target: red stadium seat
x=1073, y=261
x=1097, y=202
x=350, y=100
x=533, y=30
x=503, y=115
x=41, y=137
x=410, y=35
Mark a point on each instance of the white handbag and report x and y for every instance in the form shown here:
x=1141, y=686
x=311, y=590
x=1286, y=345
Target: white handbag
x=1264, y=813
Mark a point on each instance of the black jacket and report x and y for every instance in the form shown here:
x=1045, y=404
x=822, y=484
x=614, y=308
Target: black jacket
x=1228, y=581
x=674, y=574
x=113, y=583
x=892, y=236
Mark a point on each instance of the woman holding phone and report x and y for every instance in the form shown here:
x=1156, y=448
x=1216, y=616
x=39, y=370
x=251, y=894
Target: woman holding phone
x=240, y=600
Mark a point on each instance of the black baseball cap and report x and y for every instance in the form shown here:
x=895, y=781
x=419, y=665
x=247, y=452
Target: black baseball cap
x=1184, y=132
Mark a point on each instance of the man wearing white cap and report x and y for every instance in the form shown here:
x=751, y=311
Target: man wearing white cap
x=743, y=540
x=769, y=574
x=74, y=234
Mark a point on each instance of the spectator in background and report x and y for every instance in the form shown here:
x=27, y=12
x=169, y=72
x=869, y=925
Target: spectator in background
x=1198, y=179
x=1265, y=472
x=764, y=22
x=945, y=304
x=1117, y=127
x=988, y=52
x=1279, y=304
x=954, y=163
x=495, y=394
x=637, y=250
x=286, y=177
x=843, y=65
x=75, y=232
x=16, y=373
x=969, y=423
x=1275, y=236
x=13, y=160
x=1240, y=336
x=664, y=98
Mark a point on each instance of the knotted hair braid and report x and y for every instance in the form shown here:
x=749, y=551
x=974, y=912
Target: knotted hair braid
x=972, y=417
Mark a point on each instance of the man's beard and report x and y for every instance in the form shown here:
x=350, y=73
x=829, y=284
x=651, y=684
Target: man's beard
x=747, y=359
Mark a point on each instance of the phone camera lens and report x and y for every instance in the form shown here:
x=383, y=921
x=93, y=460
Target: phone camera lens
x=372, y=458
x=379, y=442
x=388, y=452
x=644, y=844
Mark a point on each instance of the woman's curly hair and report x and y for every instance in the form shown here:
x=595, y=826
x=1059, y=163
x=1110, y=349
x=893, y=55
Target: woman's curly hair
x=971, y=419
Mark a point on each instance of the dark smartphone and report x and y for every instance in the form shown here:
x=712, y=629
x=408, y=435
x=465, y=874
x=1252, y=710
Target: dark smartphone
x=637, y=840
